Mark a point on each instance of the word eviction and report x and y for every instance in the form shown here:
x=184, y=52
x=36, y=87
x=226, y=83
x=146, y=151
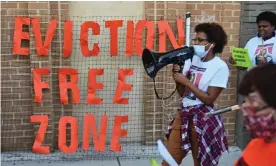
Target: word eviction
x=134, y=36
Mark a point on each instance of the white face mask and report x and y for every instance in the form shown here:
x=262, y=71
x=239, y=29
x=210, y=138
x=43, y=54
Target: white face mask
x=200, y=50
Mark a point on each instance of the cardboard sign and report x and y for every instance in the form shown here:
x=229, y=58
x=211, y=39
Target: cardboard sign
x=240, y=55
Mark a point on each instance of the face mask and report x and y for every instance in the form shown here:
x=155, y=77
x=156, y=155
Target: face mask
x=263, y=126
x=200, y=50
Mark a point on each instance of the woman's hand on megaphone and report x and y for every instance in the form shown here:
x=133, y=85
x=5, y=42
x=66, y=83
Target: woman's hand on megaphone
x=180, y=78
x=176, y=68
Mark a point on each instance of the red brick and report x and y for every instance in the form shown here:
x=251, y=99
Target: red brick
x=5, y=90
x=8, y=5
x=237, y=6
x=194, y=2
x=229, y=91
x=212, y=2
x=237, y=13
x=23, y=5
x=3, y=12
x=20, y=63
x=218, y=6
x=205, y=6
x=38, y=5
x=65, y=6
x=22, y=102
x=8, y=70
x=231, y=132
x=26, y=83
x=26, y=108
x=9, y=96
x=227, y=13
x=7, y=116
x=19, y=115
x=21, y=77
x=195, y=12
x=234, y=37
x=53, y=5
x=228, y=6
x=175, y=5
x=56, y=12
x=231, y=140
x=158, y=12
x=149, y=5
x=20, y=90
x=226, y=24
x=13, y=121
x=9, y=84
x=24, y=71
x=233, y=43
x=171, y=12
x=5, y=64
x=44, y=12
x=6, y=103
x=231, y=19
x=18, y=146
x=229, y=114
x=26, y=96
x=23, y=127
x=182, y=13
x=11, y=133
x=233, y=97
x=5, y=77
x=232, y=31
x=226, y=49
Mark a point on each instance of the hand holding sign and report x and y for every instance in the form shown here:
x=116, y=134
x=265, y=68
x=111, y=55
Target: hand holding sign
x=241, y=57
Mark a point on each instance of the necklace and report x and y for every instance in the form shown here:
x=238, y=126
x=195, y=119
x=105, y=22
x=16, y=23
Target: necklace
x=262, y=52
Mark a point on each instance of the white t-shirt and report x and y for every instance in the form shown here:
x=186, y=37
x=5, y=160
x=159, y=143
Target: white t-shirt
x=204, y=74
x=255, y=46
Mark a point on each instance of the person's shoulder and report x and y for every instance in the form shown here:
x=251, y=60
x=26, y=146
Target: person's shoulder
x=274, y=38
x=256, y=141
x=220, y=63
x=253, y=40
x=259, y=143
x=252, y=145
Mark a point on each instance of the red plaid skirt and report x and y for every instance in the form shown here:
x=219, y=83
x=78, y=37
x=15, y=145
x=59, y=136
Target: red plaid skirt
x=212, y=141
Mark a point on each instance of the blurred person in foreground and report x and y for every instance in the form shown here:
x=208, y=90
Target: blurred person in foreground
x=259, y=111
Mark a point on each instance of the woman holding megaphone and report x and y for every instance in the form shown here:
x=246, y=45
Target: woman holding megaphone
x=199, y=84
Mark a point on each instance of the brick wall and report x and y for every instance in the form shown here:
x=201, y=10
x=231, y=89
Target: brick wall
x=16, y=74
x=250, y=10
x=225, y=13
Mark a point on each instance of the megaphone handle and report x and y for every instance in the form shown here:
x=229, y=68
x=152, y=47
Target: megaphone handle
x=181, y=64
x=181, y=69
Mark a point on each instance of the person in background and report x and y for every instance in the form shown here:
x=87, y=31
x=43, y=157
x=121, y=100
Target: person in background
x=200, y=83
x=262, y=48
x=259, y=111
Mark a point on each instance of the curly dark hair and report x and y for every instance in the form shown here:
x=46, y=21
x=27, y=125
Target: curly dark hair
x=261, y=78
x=215, y=34
x=267, y=16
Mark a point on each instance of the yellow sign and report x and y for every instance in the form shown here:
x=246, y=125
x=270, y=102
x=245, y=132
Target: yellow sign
x=241, y=57
x=153, y=162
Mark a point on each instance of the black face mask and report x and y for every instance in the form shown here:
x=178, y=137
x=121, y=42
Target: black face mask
x=266, y=38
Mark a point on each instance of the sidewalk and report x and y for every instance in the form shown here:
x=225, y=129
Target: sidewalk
x=227, y=159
